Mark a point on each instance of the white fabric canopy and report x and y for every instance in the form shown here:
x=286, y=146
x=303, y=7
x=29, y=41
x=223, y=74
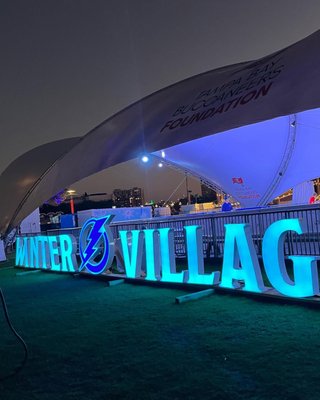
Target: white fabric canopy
x=265, y=111
x=255, y=163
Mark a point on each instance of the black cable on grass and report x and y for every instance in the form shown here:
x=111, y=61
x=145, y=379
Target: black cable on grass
x=16, y=334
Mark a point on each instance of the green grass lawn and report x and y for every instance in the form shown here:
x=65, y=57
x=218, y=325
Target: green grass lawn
x=89, y=341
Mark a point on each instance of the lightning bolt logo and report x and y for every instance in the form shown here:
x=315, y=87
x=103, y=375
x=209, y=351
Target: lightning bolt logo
x=96, y=245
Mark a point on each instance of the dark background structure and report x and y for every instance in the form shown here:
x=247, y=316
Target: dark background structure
x=68, y=65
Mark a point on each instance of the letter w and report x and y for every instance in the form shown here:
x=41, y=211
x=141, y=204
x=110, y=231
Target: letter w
x=22, y=251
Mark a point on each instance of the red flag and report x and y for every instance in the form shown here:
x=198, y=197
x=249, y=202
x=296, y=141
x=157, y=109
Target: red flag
x=237, y=180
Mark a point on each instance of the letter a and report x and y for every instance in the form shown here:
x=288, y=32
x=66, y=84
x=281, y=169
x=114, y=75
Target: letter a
x=238, y=247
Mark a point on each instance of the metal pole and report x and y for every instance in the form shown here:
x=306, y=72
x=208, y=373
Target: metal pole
x=187, y=188
x=71, y=205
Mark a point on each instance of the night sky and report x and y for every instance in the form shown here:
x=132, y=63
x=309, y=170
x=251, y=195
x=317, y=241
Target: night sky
x=66, y=65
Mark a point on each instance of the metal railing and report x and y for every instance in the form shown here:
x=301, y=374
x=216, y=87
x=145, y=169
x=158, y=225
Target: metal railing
x=259, y=220
x=212, y=224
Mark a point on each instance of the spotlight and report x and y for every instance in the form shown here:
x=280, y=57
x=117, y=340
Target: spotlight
x=160, y=165
x=163, y=154
x=145, y=159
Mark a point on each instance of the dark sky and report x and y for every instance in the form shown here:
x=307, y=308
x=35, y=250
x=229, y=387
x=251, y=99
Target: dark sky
x=66, y=65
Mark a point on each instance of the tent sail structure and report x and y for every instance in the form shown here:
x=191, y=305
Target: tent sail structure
x=249, y=128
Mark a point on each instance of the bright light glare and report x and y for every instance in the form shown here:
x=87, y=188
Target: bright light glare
x=145, y=159
x=163, y=154
x=160, y=165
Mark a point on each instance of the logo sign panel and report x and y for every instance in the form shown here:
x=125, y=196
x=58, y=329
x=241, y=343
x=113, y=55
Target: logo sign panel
x=96, y=245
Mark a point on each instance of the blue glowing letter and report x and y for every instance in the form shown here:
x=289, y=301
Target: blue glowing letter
x=34, y=253
x=238, y=247
x=168, y=262
x=68, y=247
x=195, y=258
x=22, y=251
x=304, y=267
x=54, y=253
x=44, y=255
x=132, y=252
x=152, y=254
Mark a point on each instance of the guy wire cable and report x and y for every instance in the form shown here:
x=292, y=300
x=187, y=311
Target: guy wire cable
x=19, y=368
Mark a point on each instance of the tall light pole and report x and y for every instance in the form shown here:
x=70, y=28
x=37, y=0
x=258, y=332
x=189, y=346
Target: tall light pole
x=71, y=192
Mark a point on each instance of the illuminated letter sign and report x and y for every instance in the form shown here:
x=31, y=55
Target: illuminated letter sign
x=56, y=253
x=22, y=252
x=195, y=258
x=305, y=273
x=168, y=262
x=152, y=243
x=155, y=249
x=238, y=247
x=132, y=244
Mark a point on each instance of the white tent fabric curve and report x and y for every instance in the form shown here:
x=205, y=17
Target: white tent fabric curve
x=251, y=127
